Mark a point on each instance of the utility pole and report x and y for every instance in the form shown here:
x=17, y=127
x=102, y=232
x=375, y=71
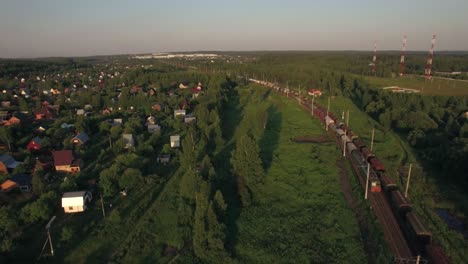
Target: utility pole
x=102, y=207
x=374, y=60
x=372, y=140
x=312, y=108
x=48, y=235
x=418, y=259
x=328, y=110
x=344, y=145
x=408, y=181
x=347, y=118
x=367, y=180
x=300, y=98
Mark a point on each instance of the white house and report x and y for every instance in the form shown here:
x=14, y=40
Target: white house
x=175, y=141
x=74, y=202
x=179, y=113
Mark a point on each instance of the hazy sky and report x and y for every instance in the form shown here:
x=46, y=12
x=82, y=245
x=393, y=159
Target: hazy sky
x=37, y=28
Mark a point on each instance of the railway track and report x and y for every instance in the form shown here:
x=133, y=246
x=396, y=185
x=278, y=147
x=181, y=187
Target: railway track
x=392, y=232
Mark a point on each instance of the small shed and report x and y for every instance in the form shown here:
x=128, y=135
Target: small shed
x=175, y=141
x=74, y=202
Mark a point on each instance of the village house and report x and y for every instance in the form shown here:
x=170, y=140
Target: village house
x=35, y=144
x=65, y=162
x=80, y=138
x=8, y=186
x=6, y=104
x=151, y=120
x=153, y=128
x=7, y=163
x=189, y=119
x=175, y=141
x=47, y=111
x=180, y=112
x=75, y=202
x=80, y=112
x=23, y=181
x=163, y=158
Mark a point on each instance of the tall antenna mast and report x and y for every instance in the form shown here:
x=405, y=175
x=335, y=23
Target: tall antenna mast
x=403, y=55
x=428, y=70
x=374, y=59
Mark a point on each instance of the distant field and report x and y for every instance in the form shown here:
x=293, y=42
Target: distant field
x=437, y=86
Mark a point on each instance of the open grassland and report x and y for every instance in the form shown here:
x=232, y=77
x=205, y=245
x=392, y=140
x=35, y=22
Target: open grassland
x=436, y=86
x=300, y=214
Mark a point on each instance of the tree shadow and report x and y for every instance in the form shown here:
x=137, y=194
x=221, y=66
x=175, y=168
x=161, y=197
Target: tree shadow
x=270, y=140
x=231, y=116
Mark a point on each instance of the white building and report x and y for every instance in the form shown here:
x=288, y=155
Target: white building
x=175, y=141
x=74, y=202
x=180, y=112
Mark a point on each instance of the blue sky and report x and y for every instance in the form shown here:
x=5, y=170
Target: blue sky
x=34, y=28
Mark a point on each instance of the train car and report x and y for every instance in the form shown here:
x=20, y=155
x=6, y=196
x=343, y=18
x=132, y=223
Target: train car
x=436, y=255
x=350, y=134
x=345, y=138
x=361, y=163
x=399, y=203
x=359, y=143
x=329, y=120
x=332, y=116
x=344, y=126
x=366, y=153
x=339, y=132
x=377, y=164
x=350, y=147
x=388, y=183
x=417, y=232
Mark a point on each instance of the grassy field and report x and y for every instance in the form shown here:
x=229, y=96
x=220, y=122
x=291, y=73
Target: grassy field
x=300, y=215
x=425, y=192
x=436, y=86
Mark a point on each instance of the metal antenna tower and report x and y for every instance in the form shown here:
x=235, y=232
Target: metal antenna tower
x=403, y=56
x=428, y=70
x=374, y=59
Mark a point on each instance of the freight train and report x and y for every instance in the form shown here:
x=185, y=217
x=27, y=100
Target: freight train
x=416, y=233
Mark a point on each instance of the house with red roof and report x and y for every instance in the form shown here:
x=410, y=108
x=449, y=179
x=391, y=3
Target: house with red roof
x=65, y=162
x=34, y=144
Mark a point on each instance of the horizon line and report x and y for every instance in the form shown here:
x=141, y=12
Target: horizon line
x=217, y=51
